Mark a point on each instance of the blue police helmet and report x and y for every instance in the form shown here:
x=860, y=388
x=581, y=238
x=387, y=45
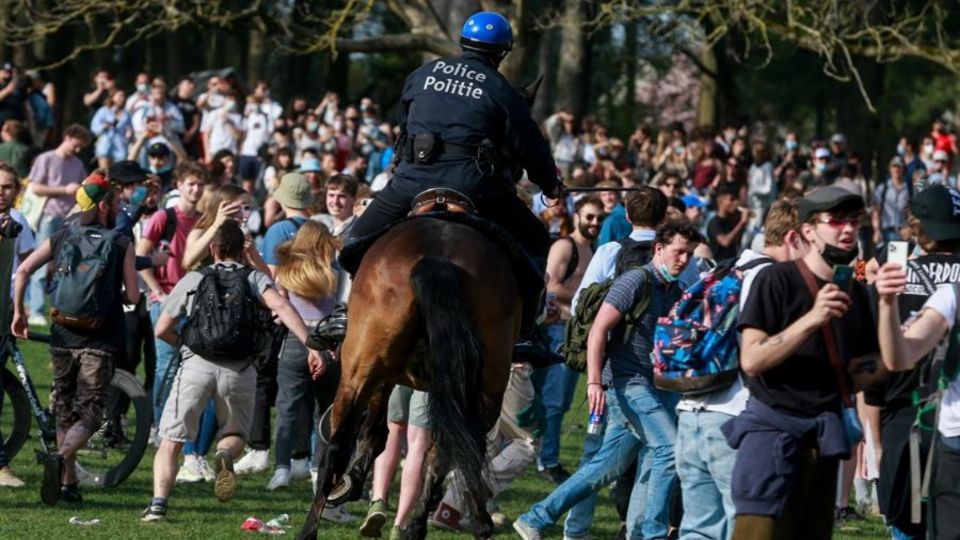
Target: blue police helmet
x=486, y=31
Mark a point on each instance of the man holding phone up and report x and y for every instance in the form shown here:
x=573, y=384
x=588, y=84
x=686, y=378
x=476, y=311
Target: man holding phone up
x=798, y=394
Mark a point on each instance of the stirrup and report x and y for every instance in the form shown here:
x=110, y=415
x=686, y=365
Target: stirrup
x=329, y=332
x=533, y=348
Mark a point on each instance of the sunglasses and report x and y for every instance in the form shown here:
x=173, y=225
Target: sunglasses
x=840, y=221
x=592, y=217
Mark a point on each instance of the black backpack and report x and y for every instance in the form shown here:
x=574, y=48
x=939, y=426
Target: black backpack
x=226, y=321
x=632, y=254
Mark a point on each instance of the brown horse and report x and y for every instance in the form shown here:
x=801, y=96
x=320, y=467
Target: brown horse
x=435, y=306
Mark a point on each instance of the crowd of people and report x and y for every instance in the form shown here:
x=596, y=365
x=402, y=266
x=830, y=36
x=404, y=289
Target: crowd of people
x=188, y=193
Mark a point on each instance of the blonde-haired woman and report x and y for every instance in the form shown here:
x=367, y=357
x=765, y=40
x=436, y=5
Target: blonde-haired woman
x=307, y=272
x=219, y=205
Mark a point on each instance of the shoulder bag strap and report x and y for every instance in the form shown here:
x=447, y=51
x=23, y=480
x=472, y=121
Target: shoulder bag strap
x=833, y=352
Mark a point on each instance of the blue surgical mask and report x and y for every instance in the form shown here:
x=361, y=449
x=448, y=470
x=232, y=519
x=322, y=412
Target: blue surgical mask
x=901, y=150
x=139, y=195
x=143, y=88
x=822, y=167
x=791, y=145
x=312, y=127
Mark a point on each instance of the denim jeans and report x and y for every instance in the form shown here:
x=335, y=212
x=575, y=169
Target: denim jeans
x=294, y=390
x=705, y=466
x=556, y=385
x=651, y=413
x=618, y=449
x=208, y=420
x=38, y=281
x=580, y=517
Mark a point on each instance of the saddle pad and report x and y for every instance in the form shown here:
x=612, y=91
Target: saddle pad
x=527, y=274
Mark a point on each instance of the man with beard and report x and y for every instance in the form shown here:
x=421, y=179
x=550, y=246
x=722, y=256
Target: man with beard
x=82, y=356
x=566, y=264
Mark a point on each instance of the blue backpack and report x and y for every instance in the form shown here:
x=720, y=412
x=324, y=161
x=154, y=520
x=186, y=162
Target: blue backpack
x=695, y=349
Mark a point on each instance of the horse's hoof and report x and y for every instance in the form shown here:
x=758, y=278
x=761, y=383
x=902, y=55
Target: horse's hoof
x=341, y=492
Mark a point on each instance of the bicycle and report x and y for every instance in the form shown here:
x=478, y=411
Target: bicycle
x=109, y=456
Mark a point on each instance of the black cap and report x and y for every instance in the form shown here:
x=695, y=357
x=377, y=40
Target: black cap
x=7, y=66
x=938, y=209
x=126, y=172
x=826, y=199
x=158, y=149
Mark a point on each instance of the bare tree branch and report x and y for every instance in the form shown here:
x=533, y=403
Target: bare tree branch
x=399, y=42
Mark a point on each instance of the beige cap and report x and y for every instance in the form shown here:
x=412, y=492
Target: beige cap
x=293, y=192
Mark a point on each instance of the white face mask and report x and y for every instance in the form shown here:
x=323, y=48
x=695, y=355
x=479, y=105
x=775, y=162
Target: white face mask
x=928, y=149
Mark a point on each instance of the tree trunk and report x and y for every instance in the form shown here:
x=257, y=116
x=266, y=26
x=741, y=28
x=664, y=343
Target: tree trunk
x=570, y=68
x=546, y=97
x=630, y=50
x=707, y=106
x=255, y=54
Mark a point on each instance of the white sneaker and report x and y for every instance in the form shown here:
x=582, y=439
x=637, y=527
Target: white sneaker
x=253, y=461
x=313, y=479
x=337, y=514
x=281, y=478
x=190, y=473
x=205, y=469
x=37, y=320
x=300, y=469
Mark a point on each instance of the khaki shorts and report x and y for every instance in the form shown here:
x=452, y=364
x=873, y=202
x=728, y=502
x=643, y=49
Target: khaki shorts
x=232, y=386
x=407, y=405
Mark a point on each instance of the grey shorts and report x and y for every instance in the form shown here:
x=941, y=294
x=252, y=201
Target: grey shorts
x=232, y=386
x=407, y=405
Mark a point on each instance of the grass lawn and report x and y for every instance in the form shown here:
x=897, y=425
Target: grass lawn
x=195, y=513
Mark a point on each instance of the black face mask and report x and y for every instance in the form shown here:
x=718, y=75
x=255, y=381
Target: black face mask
x=838, y=256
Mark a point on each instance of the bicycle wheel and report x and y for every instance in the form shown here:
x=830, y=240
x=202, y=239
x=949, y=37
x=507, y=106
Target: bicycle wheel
x=15, y=417
x=115, y=450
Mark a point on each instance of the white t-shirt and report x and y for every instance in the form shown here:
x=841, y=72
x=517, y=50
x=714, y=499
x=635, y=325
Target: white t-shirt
x=219, y=134
x=944, y=302
x=257, y=127
x=25, y=242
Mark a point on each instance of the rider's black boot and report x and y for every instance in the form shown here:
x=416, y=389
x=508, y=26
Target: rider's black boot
x=330, y=331
x=532, y=346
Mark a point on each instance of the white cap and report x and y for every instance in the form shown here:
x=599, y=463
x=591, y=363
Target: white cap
x=821, y=153
x=940, y=155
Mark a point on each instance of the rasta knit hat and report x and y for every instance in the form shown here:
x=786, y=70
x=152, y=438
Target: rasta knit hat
x=92, y=191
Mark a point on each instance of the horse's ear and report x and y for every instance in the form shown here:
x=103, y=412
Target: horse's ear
x=529, y=91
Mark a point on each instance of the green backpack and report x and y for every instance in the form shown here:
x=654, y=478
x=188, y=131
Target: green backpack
x=574, y=349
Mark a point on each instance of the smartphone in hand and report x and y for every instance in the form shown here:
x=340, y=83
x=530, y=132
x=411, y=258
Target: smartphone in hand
x=842, y=277
x=897, y=253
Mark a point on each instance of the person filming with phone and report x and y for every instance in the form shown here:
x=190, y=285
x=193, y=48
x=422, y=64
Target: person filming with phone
x=807, y=345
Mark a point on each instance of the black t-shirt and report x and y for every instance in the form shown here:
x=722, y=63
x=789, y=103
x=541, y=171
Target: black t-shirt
x=719, y=226
x=188, y=109
x=11, y=107
x=804, y=384
x=924, y=275
x=110, y=336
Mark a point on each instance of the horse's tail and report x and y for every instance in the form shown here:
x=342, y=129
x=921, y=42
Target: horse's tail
x=455, y=406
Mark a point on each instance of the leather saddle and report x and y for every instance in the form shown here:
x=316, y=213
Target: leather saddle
x=442, y=200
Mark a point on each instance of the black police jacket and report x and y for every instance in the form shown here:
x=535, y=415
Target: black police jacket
x=465, y=100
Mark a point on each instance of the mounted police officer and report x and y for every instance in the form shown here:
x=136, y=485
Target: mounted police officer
x=464, y=127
